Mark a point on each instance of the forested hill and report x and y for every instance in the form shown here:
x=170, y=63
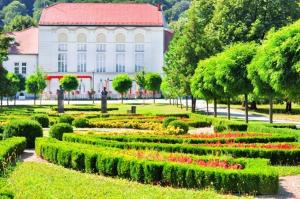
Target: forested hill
x=19, y=14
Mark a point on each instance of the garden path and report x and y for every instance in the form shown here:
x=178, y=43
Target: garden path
x=29, y=155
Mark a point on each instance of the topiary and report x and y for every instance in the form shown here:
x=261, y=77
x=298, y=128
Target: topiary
x=81, y=123
x=167, y=121
x=29, y=129
x=65, y=119
x=43, y=119
x=57, y=130
x=184, y=128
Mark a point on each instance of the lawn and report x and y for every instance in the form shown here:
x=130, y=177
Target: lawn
x=42, y=180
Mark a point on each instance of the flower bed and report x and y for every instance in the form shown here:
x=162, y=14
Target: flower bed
x=283, y=146
x=118, y=162
x=276, y=156
x=10, y=149
x=128, y=124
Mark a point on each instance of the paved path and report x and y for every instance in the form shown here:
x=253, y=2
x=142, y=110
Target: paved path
x=29, y=155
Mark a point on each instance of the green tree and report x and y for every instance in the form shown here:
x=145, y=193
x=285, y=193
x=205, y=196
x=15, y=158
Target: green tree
x=141, y=81
x=12, y=86
x=248, y=20
x=69, y=83
x=232, y=73
x=35, y=84
x=3, y=83
x=153, y=82
x=275, y=68
x=22, y=82
x=13, y=9
x=19, y=23
x=122, y=83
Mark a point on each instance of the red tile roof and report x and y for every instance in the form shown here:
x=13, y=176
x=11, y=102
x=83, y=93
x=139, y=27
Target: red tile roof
x=109, y=14
x=26, y=41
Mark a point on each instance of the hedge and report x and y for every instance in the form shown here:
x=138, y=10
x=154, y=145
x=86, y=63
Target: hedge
x=276, y=156
x=112, y=162
x=10, y=149
x=281, y=131
x=43, y=119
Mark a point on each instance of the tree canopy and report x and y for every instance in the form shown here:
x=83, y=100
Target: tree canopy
x=122, y=83
x=35, y=83
x=19, y=23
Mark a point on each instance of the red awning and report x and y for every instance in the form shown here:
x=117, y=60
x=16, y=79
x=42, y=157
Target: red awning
x=49, y=77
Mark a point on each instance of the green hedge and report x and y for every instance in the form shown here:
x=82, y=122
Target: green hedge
x=43, y=119
x=281, y=131
x=112, y=162
x=10, y=149
x=276, y=156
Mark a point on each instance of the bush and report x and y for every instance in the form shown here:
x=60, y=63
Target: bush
x=184, y=128
x=81, y=123
x=167, y=121
x=57, y=130
x=29, y=129
x=43, y=119
x=65, y=119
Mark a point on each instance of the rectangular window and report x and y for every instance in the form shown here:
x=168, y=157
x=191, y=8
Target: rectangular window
x=62, y=62
x=24, y=70
x=81, y=62
x=139, y=48
x=62, y=47
x=120, y=63
x=139, y=62
x=24, y=64
x=100, y=63
x=101, y=47
x=17, y=70
x=120, y=47
x=16, y=63
x=81, y=47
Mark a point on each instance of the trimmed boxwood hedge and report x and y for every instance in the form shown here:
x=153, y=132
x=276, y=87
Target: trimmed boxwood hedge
x=113, y=162
x=276, y=156
x=43, y=119
x=10, y=149
x=57, y=130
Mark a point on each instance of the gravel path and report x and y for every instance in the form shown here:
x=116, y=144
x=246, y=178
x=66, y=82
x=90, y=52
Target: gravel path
x=30, y=156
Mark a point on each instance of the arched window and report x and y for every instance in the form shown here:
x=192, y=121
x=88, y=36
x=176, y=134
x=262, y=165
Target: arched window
x=139, y=52
x=120, y=38
x=100, y=57
x=120, y=53
x=81, y=52
x=62, y=58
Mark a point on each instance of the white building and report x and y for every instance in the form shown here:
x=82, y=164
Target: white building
x=93, y=41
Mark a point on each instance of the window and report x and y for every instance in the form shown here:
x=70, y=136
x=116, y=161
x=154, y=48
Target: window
x=100, y=63
x=81, y=47
x=24, y=64
x=62, y=47
x=81, y=62
x=17, y=70
x=139, y=48
x=62, y=62
x=139, y=62
x=120, y=47
x=24, y=70
x=120, y=63
x=16, y=63
x=101, y=47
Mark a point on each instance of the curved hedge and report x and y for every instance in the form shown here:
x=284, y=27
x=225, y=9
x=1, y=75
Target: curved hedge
x=113, y=162
x=276, y=156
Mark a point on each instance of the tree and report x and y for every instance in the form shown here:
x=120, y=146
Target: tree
x=19, y=23
x=141, y=82
x=11, y=10
x=275, y=68
x=232, y=72
x=153, y=82
x=3, y=83
x=122, y=83
x=35, y=84
x=204, y=82
x=12, y=86
x=22, y=81
x=69, y=83
x=250, y=20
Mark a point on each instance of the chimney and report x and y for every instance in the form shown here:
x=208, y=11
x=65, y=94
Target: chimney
x=159, y=7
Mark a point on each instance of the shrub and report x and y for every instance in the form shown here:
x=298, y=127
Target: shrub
x=57, y=130
x=167, y=121
x=184, y=128
x=81, y=123
x=65, y=119
x=43, y=119
x=29, y=129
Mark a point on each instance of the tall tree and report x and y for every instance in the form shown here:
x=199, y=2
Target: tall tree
x=19, y=23
x=153, y=82
x=12, y=86
x=140, y=79
x=69, y=83
x=122, y=83
x=11, y=10
x=275, y=68
x=35, y=84
x=232, y=72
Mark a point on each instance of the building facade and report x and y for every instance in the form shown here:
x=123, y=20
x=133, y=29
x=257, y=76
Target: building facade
x=93, y=41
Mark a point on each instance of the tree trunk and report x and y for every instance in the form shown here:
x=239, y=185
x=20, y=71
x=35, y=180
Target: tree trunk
x=186, y=103
x=253, y=105
x=207, y=111
x=34, y=98
x=180, y=102
x=288, y=107
x=7, y=101
x=122, y=98
x=194, y=101
x=170, y=101
x=1, y=101
x=271, y=108
x=246, y=108
x=228, y=107
x=154, y=97
x=215, y=108
x=69, y=96
x=177, y=102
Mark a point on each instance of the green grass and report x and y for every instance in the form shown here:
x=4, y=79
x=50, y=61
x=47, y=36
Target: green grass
x=287, y=170
x=42, y=180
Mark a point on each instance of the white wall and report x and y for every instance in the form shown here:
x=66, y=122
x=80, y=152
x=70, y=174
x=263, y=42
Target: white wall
x=30, y=60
